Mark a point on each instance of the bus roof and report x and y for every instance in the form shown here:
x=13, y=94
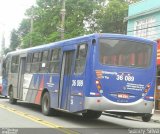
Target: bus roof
x=79, y=39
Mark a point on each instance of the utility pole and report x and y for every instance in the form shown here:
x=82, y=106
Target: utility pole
x=31, y=31
x=3, y=43
x=2, y=50
x=2, y=40
x=63, y=13
x=31, y=28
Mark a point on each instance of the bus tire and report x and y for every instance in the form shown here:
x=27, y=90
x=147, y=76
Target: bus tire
x=92, y=114
x=46, y=110
x=11, y=99
x=146, y=117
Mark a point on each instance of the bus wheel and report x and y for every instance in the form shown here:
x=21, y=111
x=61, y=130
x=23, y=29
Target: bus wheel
x=146, y=117
x=46, y=110
x=92, y=114
x=11, y=99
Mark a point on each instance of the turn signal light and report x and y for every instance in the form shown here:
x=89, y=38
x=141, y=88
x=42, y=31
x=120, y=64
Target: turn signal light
x=147, y=88
x=98, y=84
x=99, y=87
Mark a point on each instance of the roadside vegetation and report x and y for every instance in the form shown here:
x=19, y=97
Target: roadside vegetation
x=43, y=21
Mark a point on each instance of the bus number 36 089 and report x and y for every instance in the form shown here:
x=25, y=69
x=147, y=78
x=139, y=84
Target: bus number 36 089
x=78, y=83
x=125, y=78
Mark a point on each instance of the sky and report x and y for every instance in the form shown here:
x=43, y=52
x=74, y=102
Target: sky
x=11, y=14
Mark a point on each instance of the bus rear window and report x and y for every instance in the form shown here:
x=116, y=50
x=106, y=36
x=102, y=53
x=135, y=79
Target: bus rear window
x=124, y=53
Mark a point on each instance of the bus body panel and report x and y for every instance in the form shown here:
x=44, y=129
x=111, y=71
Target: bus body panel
x=36, y=83
x=112, y=86
x=77, y=93
x=121, y=88
x=4, y=85
x=52, y=85
x=12, y=81
x=103, y=104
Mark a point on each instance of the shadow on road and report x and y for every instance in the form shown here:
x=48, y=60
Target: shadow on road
x=123, y=117
x=3, y=97
x=78, y=119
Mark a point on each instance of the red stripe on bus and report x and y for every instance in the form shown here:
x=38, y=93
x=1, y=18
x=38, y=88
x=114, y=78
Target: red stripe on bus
x=39, y=93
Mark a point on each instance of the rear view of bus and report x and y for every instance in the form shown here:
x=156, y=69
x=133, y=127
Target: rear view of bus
x=123, y=82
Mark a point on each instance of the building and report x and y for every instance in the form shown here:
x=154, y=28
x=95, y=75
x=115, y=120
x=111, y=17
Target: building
x=144, y=21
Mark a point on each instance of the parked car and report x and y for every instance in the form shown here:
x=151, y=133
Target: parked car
x=0, y=85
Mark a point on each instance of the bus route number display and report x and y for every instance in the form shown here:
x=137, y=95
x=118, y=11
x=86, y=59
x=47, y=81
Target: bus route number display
x=125, y=78
x=77, y=83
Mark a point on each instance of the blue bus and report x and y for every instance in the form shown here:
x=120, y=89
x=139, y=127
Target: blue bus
x=91, y=74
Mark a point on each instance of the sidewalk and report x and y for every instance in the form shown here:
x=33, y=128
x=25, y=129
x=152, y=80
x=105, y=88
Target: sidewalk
x=156, y=116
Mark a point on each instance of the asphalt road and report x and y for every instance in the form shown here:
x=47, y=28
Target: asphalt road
x=24, y=118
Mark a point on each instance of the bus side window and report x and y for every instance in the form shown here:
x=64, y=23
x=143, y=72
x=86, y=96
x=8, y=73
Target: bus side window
x=54, y=61
x=81, y=58
x=44, y=61
x=35, y=63
x=14, y=64
x=29, y=59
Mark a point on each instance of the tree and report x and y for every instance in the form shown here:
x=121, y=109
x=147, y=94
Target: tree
x=47, y=20
x=113, y=16
x=82, y=17
x=6, y=50
x=15, y=42
x=132, y=1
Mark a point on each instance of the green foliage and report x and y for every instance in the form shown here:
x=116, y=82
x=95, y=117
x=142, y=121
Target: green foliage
x=15, y=42
x=45, y=21
x=24, y=27
x=82, y=17
x=113, y=16
x=7, y=50
x=32, y=39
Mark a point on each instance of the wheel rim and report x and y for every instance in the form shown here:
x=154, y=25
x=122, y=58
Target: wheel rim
x=46, y=104
x=11, y=94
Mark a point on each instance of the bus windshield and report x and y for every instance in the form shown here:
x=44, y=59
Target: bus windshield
x=124, y=53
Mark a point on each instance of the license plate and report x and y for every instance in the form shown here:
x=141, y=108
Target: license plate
x=124, y=96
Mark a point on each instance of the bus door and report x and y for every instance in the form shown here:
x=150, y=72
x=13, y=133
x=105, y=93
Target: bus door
x=65, y=80
x=21, y=77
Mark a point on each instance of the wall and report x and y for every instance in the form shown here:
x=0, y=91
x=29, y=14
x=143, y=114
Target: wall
x=145, y=9
x=155, y=27
x=144, y=5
